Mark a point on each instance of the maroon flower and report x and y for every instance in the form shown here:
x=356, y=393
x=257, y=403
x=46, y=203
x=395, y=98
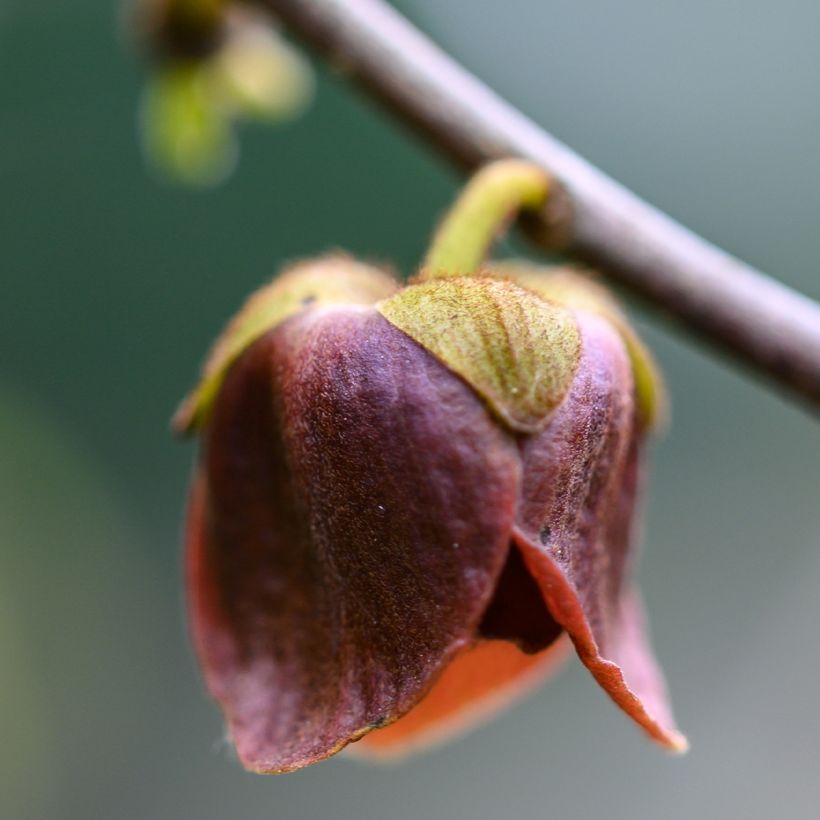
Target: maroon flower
x=407, y=498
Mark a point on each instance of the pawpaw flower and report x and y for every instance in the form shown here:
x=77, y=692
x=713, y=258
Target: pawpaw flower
x=411, y=499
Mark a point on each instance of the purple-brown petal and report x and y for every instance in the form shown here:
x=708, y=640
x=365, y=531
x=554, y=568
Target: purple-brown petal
x=574, y=528
x=350, y=519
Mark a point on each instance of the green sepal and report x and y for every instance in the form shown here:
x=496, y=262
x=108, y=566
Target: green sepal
x=581, y=291
x=185, y=135
x=332, y=280
x=517, y=351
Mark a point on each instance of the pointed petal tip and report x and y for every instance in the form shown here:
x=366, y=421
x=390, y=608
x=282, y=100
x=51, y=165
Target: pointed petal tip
x=680, y=745
x=255, y=766
x=653, y=718
x=633, y=680
x=183, y=422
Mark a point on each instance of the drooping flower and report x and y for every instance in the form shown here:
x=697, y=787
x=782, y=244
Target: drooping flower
x=410, y=499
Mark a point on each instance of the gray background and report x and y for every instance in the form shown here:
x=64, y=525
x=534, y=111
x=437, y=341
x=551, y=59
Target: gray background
x=113, y=284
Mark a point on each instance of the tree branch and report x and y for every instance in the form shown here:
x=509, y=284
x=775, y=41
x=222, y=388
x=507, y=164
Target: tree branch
x=766, y=326
x=762, y=323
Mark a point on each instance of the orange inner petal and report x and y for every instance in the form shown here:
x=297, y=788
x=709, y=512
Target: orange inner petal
x=479, y=682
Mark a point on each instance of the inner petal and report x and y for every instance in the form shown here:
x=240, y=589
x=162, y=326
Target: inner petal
x=478, y=683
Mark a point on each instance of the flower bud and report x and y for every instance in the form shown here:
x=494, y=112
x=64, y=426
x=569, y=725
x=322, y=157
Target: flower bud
x=409, y=501
x=229, y=66
x=185, y=136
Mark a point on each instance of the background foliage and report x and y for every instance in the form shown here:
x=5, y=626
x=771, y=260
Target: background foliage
x=114, y=283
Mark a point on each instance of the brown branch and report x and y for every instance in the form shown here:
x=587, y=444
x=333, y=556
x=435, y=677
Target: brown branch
x=764, y=324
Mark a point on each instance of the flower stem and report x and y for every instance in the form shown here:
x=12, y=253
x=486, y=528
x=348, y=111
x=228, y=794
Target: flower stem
x=486, y=206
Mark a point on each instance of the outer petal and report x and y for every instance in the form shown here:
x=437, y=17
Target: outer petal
x=574, y=528
x=477, y=684
x=354, y=513
x=328, y=280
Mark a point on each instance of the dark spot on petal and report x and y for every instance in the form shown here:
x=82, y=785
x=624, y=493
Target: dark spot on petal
x=544, y=534
x=309, y=299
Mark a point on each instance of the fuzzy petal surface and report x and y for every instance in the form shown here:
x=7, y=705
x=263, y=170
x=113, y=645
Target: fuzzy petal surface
x=575, y=528
x=328, y=280
x=347, y=527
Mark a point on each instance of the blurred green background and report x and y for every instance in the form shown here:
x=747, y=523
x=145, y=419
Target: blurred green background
x=114, y=283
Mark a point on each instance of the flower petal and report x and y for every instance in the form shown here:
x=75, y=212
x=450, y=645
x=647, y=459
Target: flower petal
x=478, y=683
x=574, y=528
x=328, y=280
x=353, y=517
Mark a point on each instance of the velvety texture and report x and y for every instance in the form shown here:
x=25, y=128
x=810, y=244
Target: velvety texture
x=363, y=526
x=350, y=520
x=574, y=528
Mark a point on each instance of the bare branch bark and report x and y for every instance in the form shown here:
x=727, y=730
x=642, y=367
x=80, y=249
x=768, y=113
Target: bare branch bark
x=762, y=323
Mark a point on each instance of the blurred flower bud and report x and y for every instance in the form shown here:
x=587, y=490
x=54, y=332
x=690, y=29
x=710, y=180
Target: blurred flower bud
x=257, y=74
x=185, y=135
x=409, y=499
x=234, y=67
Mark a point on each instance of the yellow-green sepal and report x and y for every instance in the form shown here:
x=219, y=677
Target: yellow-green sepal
x=332, y=280
x=580, y=291
x=517, y=351
x=185, y=135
